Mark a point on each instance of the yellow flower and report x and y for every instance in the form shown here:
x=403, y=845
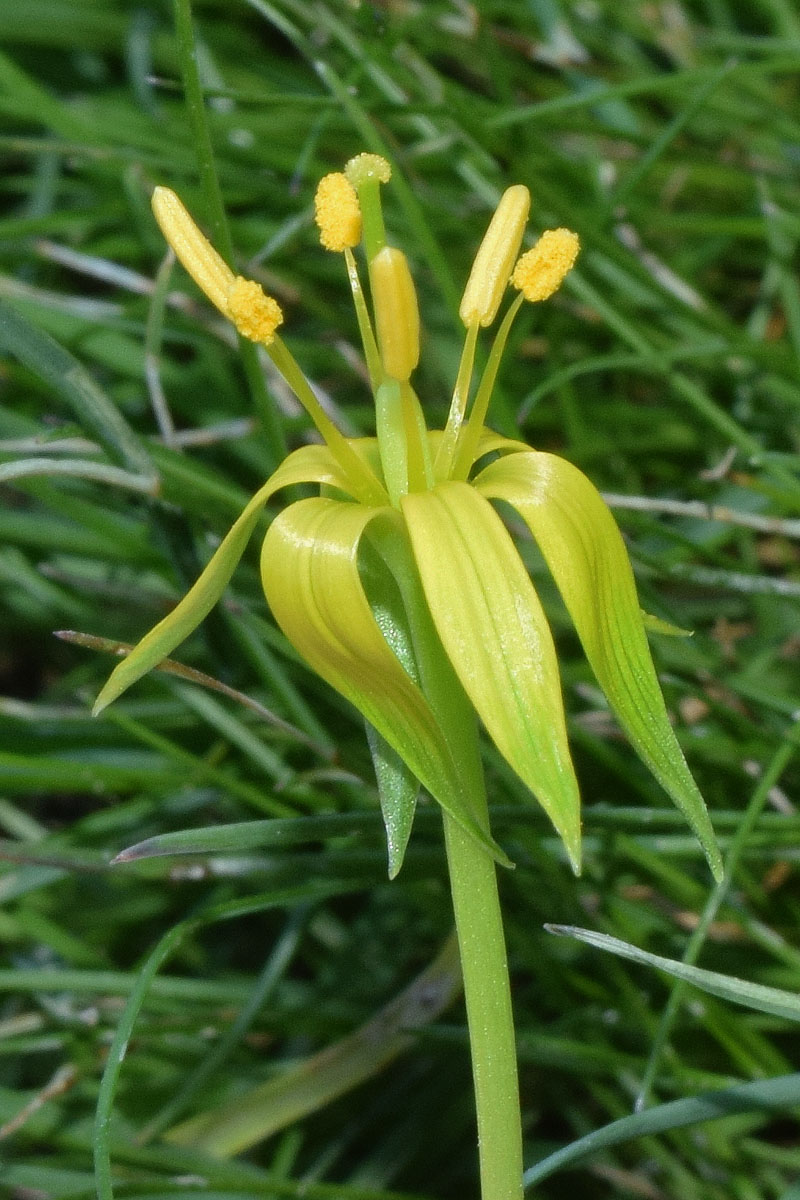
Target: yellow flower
x=408, y=588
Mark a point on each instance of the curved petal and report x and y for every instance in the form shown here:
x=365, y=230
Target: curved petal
x=585, y=552
x=491, y=441
x=488, y=442
x=310, y=464
x=496, y=635
x=309, y=568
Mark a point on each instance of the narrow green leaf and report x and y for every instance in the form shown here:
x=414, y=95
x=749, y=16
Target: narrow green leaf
x=760, y=1095
x=496, y=636
x=774, y=1001
x=318, y=1080
x=78, y=468
x=248, y=835
x=312, y=583
x=398, y=789
x=587, y=557
x=310, y=464
x=65, y=375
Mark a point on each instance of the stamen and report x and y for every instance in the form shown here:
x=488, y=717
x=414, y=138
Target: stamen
x=365, y=485
x=337, y=212
x=209, y=271
x=366, y=168
x=255, y=314
x=495, y=258
x=541, y=270
x=467, y=446
x=443, y=463
x=396, y=312
x=371, y=354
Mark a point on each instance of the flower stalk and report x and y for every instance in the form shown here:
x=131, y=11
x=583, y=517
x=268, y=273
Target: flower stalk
x=476, y=903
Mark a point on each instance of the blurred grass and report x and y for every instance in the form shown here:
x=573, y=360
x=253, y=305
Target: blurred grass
x=667, y=136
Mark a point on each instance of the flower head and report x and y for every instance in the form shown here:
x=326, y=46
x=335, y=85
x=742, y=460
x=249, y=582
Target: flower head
x=412, y=565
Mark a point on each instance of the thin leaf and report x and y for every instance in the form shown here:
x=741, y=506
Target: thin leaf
x=249, y=835
x=774, y=1001
x=146, y=977
x=496, y=636
x=310, y=464
x=78, y=468
x=92, y=408
x=312, y=584
x=759, y=1096
x=398, y=789
x=585, y=552
x=318, y=1080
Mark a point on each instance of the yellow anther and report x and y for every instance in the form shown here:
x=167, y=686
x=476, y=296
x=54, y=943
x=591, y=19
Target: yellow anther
x=541, y=270
x=366, y=167
x=209, y=271
x=396, y=312
x=495, y=258
x=337, y=212
x=255, y=314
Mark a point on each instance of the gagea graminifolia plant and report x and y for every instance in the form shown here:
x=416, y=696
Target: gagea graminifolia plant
x=402, y=588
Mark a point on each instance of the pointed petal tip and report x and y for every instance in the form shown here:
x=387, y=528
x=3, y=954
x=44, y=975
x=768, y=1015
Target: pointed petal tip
x=573, y=849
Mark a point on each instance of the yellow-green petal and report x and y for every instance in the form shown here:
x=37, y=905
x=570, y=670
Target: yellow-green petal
x=496, y=636
x=310, y=572
x=310, y=464
x=585, y=552
x=655, y=624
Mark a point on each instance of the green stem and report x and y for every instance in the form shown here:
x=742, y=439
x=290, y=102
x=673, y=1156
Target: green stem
x=420, y=466
x=218, y=221
x=476, y=905
x=392, y=442
x=479, y=926
x=374, y=233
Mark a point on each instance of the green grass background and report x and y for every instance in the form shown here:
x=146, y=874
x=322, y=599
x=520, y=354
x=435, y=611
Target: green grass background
x=668, y=136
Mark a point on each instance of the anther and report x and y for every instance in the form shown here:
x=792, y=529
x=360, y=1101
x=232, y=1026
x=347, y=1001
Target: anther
x=337, y=212
x=207, y=268
x=255, y=314
x=495, y=258
x=541, y=270
x=396, y=312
